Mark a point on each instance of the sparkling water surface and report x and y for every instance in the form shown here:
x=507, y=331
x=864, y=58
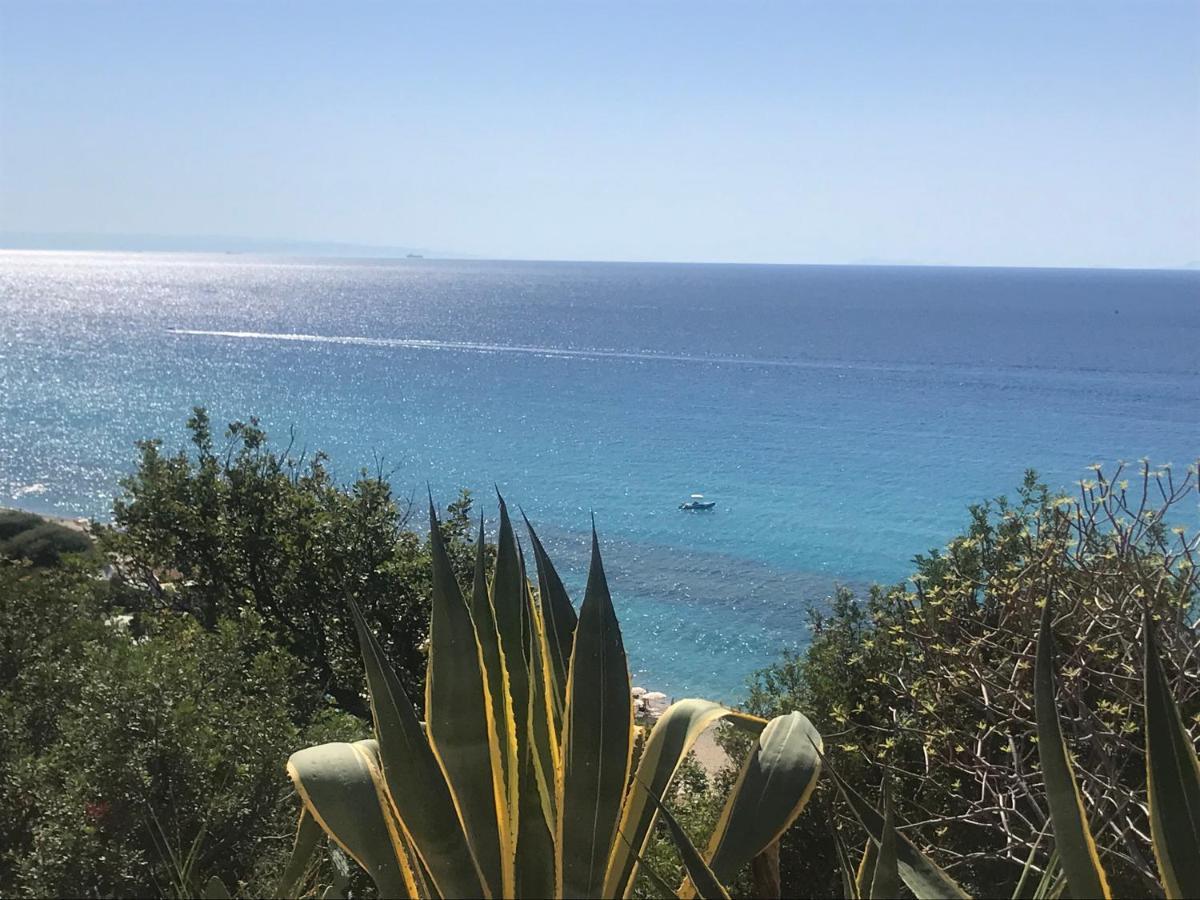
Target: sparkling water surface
x=841, y=417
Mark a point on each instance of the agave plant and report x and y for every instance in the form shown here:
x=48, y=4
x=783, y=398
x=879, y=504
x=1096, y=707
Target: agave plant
x=520, y=783
x=1074, y=867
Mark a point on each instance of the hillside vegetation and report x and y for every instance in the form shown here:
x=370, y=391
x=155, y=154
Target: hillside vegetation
x=146, y=717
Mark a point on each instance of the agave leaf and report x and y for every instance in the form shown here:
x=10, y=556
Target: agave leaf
x=308, y=835
x=1053, y=880
x=922, y=875
x=597, y=742
x=512, y=623
x=484, y=617
x=849, y=884
x=535, y=862
x=1085, y=876
x=558, y=618
x=460, y=723
x=706, y=885
x=774, y=785
x=1173, y=777
x=415, y=781
x=885, y=882
x=421, y=877
x=1019, y=891
x=661, y=887
x=765, y=874
x=216, y=890
x=866, y=869
x=342, y=790
x=670, y=741
x=545, y=752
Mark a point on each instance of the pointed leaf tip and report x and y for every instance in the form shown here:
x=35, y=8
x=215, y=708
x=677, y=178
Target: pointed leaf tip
x=1072, y=837
x=1172, y=777
x=702, y=878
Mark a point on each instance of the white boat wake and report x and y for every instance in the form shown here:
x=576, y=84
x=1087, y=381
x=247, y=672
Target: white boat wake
x=474, y=347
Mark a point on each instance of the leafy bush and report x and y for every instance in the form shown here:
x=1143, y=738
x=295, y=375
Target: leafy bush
x=14, y=521
x=226, y=616
x=44, y=543
x=131, y=747
x=245, y=526
x=933, y=684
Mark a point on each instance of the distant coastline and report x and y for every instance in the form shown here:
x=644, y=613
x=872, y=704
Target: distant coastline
x=234, y=246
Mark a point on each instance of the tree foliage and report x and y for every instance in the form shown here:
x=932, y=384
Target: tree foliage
x=932, y=681
x=246, y=526
x=147, y=712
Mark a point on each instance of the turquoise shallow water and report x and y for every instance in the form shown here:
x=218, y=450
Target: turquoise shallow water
x=841, y=417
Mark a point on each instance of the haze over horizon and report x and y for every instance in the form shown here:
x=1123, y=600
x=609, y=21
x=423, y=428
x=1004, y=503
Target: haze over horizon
x=1025, y=134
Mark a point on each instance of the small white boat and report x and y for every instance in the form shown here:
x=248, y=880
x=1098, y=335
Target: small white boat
x=698, y=503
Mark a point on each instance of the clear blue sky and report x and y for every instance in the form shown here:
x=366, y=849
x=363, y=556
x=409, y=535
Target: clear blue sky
x=1007, y=133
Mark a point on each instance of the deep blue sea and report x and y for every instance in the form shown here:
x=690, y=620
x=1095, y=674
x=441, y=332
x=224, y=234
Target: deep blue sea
x=842, y=417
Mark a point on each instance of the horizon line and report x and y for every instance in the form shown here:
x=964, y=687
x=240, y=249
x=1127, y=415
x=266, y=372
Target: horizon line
x=303, y=248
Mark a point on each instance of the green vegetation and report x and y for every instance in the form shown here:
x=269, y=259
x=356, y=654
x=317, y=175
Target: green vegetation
x=120, y=749
x=522, y=783
x=27, y=536
x=146, y=718
x=932, y=683
x=243, y=526
x=1026, y=708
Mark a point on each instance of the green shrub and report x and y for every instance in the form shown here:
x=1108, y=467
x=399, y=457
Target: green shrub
x=30, y=537
x=244, y=526
x=933, y=683
x=110, y=723
x=173, y=740
x=14, y=521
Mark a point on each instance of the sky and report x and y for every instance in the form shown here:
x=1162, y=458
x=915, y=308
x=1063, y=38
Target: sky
x=960, y=133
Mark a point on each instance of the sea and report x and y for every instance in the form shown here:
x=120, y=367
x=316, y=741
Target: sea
x=842, y=418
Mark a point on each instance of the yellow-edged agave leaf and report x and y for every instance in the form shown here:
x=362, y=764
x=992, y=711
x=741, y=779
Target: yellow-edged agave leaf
x=512, y=621
x=543, y=727
x=420, y=873
x=597, y=742
x=1072, y=838
x=535, y=857
x=415, y=781
x=885, y=881
x=338, y=785
x=460, y=724
x=558, y=620
x=773, y=787
x=923, y=876
x=484, y=617
x=705, y=884
x=670, y=741
x=1173, y=778
x=512, y=624
x=308, y=835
